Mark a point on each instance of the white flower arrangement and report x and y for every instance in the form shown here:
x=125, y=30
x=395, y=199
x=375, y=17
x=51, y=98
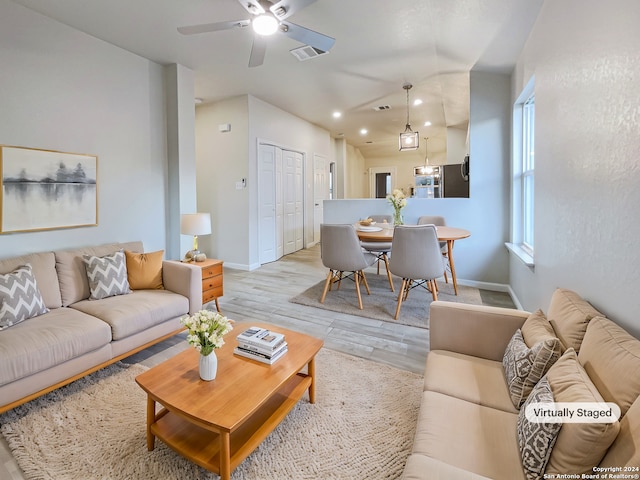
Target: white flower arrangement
x=206, y=329
x=398, y=200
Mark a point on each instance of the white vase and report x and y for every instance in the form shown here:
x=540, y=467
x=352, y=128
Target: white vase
x=208, y=366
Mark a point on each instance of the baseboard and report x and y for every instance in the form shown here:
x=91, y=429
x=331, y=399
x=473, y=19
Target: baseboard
x=494, y=287
x=242, y=266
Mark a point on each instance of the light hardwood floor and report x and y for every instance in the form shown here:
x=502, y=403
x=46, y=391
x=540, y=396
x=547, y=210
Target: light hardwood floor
x=263, y=294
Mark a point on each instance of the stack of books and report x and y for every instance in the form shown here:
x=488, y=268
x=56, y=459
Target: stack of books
x=261, y=344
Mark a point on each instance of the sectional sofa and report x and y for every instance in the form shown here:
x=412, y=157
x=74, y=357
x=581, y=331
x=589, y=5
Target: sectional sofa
x=472, y=422
x=75, y=331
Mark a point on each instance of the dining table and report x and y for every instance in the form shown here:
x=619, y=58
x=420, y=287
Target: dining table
x=384, y=233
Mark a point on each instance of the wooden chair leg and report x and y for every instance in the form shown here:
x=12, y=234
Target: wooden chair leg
x=357, y=280
x=434, y=290
x=386, y=264
x=401, y=296
x=339, y=280
x=364, y=280
x=327, y=284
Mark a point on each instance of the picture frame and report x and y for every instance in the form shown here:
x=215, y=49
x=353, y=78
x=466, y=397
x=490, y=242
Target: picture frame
x=46, y=189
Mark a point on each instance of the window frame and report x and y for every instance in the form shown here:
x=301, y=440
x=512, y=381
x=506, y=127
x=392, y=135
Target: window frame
x=522, y=242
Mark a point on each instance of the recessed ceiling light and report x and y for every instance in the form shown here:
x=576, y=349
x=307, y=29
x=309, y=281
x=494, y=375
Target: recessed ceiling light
x=427, y=124
x=337, y=114
x=417, y=102
x=363, y=131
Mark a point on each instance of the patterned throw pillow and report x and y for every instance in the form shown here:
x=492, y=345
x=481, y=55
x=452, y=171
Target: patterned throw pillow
x=524, y=366
x=536, y=440
x=107, y=275
x=19, y=297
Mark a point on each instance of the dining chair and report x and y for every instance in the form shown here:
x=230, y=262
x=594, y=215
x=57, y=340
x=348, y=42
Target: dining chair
x=416, y=259
x=381, y=249
x=341, y=252
x=437, y=220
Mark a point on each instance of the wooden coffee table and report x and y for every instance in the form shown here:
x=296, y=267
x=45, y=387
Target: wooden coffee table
x=217, y=424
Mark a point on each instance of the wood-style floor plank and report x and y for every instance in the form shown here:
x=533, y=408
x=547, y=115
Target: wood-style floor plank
x=263, y=296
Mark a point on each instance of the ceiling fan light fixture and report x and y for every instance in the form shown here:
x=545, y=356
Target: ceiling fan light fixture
x=265, y=25
x=409, y=140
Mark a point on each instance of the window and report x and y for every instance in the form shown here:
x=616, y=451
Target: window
x=522, y=234
x=528, y=129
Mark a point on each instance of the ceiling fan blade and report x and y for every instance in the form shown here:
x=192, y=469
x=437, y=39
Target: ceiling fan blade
x=285, y=8
x=252, y=6
x=308, y=37
x=213, y=27
x=258, y=50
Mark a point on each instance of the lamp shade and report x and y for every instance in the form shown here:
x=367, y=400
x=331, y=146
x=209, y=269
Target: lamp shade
x=195, y=224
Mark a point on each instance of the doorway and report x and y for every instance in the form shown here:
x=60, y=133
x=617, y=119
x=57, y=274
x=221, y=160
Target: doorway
x=382, y=181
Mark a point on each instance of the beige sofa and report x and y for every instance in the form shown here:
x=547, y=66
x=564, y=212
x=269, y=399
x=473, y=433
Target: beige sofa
x=468, y=424
x=78, y=336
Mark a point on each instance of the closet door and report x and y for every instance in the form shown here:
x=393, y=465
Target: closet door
x=267, y=203
x=289, y=200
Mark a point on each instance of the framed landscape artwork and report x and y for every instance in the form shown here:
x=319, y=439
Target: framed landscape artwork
x=43, y=189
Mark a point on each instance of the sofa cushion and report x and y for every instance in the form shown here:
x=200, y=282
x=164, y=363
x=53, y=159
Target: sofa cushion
x=624, y=451
x=20, y=297
x=144, y=270
x=72, y=276
x=608, y=355
x=536, y=439
x=469, y=436
x=469, y=378
x=524, y=366
x=580, y=446
x=419, y=467
x=569, y=315
x=536, y=328
x=44, y=270
x=129, y=314
x=49, y=340
x=107, y=275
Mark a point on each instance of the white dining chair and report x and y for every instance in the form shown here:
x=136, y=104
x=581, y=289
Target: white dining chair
x=381, y=250
x=341, y=252
x=437, y=220
x=416, y=259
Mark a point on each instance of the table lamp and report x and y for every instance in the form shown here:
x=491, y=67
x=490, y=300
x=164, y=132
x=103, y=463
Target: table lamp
x=195, y=224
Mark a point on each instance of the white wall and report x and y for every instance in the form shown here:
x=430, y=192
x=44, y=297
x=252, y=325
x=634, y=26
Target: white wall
x=225, y=158
x=584, y=55
x=221, y=161
x=63, y=90
x=481, y=258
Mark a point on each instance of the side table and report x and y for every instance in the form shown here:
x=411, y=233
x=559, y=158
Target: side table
x=212, y=280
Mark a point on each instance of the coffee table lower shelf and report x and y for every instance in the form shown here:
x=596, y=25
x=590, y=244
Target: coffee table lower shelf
x=204, y=444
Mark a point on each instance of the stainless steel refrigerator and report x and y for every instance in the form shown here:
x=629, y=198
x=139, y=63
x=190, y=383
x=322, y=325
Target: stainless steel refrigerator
x=455, y=180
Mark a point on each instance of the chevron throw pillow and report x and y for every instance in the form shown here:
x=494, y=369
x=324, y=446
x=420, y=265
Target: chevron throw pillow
x=107, y=275
x=19, y=297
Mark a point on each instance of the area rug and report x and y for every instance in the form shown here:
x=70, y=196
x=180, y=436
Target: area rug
x=381, y=304
x=361, y=427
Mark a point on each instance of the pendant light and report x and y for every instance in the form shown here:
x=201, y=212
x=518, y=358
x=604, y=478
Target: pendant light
x=425, y=169
x=409, y=139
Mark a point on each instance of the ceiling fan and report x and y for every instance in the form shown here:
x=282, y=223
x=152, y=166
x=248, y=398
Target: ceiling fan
x=268, y=18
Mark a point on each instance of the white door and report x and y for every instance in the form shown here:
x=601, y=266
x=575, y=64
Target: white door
x=289, y=200
x=267, y=203
x=320, y=193
x=299, y=202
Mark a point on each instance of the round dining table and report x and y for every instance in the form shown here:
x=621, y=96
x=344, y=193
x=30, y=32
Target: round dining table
x=384, y=233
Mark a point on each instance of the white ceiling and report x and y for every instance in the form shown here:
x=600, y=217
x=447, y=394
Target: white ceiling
x=380, y=45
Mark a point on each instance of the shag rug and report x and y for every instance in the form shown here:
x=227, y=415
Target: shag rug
x=361, y=427
x=381, y=304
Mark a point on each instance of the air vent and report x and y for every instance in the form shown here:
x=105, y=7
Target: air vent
x=306, y=52
x=381, y=108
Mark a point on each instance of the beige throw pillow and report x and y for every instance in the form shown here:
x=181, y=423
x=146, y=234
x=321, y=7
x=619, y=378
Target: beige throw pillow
x=570, y=314
x=524, y=366
x=580, y=446
x=144, y=270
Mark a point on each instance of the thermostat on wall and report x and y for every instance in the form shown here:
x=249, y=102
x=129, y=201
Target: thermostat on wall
x=224, y=127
